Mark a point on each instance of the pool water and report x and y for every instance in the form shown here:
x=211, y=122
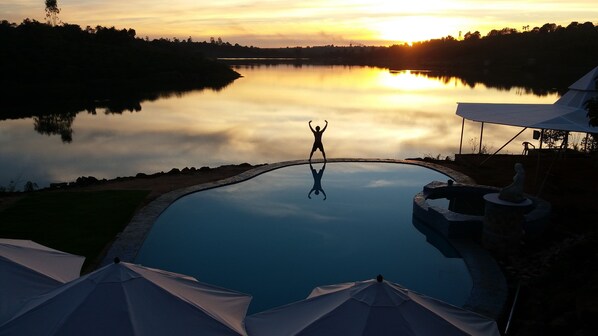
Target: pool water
x=280, y=234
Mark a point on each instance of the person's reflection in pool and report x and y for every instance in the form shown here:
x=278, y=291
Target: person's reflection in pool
x=317, y=188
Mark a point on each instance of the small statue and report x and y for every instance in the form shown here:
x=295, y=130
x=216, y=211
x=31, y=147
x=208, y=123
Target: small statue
x=514, y=191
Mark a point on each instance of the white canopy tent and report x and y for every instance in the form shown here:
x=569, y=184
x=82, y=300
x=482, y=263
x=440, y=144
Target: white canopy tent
x=372, y=307
x=28, y=269
x=566, y=114
x=538, y=116
x=127, y=299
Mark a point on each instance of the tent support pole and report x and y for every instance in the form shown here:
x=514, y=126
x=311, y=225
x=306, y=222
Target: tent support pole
x=481, y=136
x=503, y=146
x=461, y=142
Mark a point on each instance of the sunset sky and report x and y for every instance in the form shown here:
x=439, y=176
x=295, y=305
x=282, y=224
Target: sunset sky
x=281, y=23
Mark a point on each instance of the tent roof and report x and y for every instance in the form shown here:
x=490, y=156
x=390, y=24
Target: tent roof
x=543, y=116
x=566, y=114
x=588, y=82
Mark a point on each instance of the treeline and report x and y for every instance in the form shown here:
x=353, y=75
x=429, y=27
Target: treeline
x=546, y=57
x=549, y=46
x=77, y=66
x=43, y=63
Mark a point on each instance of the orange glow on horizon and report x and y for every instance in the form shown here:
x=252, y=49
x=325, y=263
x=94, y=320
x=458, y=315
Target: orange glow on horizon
x=284, y=23
x=416, y=29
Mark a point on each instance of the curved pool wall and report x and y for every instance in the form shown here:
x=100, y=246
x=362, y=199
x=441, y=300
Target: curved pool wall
x=463, y=231
x=488, y=287
x=281, y=234
x=128, y=243
x=452, y=222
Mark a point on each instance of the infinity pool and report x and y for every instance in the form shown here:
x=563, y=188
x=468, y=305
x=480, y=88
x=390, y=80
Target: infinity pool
x=280, y=234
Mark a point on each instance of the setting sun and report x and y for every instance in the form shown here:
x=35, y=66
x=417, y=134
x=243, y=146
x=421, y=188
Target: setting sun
x=412, y=21
x=416, y=28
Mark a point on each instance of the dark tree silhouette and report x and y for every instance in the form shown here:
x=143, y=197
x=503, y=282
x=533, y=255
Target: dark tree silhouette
x=592, y=108
x=591, y=141
x=54, y=124
x=52, y=12
x=552, y=138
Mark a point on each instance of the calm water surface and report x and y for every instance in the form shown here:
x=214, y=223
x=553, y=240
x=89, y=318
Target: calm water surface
x=261, y=118
x=267, y=238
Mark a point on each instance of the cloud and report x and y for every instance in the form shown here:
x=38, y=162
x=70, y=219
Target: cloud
x=382, y=184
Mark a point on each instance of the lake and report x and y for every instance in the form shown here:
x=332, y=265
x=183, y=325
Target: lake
x=261, y=118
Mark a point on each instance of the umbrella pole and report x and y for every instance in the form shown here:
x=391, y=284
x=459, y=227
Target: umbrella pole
x=512, y=309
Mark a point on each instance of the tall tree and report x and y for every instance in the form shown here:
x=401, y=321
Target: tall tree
x=52, y=12
x=592, y=108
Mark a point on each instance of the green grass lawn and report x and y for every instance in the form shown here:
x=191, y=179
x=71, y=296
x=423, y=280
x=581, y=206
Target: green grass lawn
x=81, y=223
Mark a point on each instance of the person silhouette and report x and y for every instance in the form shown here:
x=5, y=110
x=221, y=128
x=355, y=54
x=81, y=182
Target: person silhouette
x=317, y=140
x=317, y=188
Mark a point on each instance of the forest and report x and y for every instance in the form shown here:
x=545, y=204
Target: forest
x=551, y=45
x=45, y=63
x=41, y=63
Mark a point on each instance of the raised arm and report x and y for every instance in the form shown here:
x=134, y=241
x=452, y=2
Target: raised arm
x=311, y=128
x=323, y=129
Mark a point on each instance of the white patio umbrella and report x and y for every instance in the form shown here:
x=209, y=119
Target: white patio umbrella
x=28, y=269
x=127, y=299
x=372, y=307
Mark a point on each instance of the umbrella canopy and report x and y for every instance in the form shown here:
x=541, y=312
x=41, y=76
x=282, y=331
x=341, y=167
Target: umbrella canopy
x=28, y=269
x=127, y=299
x=372, y=307
x=566, y=114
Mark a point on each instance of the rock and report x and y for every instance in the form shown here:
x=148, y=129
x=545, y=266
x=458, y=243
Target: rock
x=58, y=185
x=85, y=181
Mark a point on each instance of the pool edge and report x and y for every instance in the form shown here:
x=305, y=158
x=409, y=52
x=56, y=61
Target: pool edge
x=481, y=266
x=128, y=242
